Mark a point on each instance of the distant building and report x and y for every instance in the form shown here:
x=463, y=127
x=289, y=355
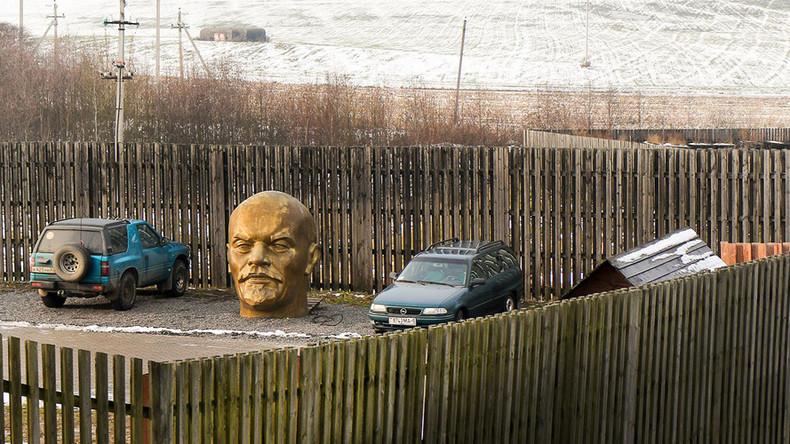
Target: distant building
x=680, y=253
x=234, y=35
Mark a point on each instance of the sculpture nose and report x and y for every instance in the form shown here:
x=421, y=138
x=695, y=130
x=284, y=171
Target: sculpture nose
x=258, y=256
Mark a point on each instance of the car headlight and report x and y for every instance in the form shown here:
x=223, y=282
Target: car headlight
x=378, y=308
x=434, y=311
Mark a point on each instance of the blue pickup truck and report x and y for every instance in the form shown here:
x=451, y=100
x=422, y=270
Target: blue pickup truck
x=89, y=257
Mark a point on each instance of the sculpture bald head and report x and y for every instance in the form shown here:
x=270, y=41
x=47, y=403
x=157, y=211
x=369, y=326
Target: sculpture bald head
x=272, y=251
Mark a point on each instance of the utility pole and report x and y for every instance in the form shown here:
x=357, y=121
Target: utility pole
x=157, y=41
x=120, y=75
x=182, y=26
x=586, y=61
x=53, y=23
x=54, y=18
x=21, y=28
x=458, y=83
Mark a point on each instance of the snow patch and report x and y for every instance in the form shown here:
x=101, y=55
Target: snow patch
x=682, y=251
x=154, y=330
x=347, y=335
x=649, y=250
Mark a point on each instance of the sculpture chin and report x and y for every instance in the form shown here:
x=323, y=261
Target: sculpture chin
x=262, y=297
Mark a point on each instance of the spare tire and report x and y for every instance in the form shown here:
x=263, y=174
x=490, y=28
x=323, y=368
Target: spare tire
x=71, y=262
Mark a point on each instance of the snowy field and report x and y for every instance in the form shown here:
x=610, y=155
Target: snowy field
x=698, y=46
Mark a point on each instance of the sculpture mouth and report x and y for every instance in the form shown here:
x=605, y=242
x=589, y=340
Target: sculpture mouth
x=259, y=278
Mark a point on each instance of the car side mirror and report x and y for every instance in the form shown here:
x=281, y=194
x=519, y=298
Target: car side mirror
x=165, y=240
x=477, y=281
x=393, y=275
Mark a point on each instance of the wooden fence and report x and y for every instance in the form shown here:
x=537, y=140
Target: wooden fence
x=701, y=135
x=561, y=209
x=64, y=407
x=705, y=358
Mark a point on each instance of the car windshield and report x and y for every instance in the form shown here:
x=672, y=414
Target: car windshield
x=434, y=272
x=53, y=238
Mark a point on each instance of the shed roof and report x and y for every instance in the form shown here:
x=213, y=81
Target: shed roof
x=677, y=254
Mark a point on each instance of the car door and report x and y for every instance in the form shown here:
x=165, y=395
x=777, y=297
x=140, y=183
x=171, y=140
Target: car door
x=494, y=286
x=154, y=255
x=477, y=297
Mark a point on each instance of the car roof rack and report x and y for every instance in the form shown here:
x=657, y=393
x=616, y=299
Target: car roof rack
x=443, y=242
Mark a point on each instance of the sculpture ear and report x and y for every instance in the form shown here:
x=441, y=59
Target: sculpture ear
x=312, y=258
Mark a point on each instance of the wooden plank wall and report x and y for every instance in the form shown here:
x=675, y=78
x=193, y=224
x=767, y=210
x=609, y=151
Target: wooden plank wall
x=701, y=135
x=703, y=358
x=80, y=394
x=563, y=205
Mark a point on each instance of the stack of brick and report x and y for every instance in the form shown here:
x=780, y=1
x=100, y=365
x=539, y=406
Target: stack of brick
x=733, y=253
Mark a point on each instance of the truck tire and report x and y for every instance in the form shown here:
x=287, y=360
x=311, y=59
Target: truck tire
x=180, y=279
x=71, y=262
x=126, y=293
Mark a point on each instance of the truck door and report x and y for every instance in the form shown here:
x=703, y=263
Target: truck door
x=154, y=257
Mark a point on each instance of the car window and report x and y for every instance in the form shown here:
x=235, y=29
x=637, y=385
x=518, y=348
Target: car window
x=478, y=270
x=439, y=272
x=119, y=239
x=148, y=238
x=508, y=260
x=54, y=238
x=491, y=265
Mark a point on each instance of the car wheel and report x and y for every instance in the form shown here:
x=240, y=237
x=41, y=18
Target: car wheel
x=460, y=315
x=53, y=300
x=71, y=262
x=510, y=303
x=180, y=279
x=126, y=292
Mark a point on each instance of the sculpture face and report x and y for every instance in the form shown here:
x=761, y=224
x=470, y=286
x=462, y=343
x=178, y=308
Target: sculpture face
x=272, y=251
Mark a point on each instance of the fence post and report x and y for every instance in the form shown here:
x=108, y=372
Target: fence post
x=633, y=307
x=162, y=375
x=218, y=217
x=361, y=264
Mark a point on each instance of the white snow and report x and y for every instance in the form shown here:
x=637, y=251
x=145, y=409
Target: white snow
x=153, y=330
x=708, y=264
x=346, y=335
x=682, y=251
x=647, y=45
x=649, y=250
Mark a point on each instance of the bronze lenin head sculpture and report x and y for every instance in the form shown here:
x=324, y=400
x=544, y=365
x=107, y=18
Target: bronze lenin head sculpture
x=272, y=251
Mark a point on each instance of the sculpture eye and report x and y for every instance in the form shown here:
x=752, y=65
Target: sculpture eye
x=242, y=247
x=280, y=246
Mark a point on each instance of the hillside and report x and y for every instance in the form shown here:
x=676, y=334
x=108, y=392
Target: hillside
x=659, y=46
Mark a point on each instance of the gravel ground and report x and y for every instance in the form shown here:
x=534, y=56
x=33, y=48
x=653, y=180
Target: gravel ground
x=197, y=313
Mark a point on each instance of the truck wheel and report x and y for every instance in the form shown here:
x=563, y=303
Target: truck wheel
x=179, y=276
x=52, y=300
x=126, y=292
x=71, y=262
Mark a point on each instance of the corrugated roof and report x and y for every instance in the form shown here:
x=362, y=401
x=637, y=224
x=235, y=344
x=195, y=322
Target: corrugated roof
x=677, y=254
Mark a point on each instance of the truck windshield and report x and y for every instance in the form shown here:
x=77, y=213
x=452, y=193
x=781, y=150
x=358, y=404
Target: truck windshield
x=435, y=272
x=53, y=238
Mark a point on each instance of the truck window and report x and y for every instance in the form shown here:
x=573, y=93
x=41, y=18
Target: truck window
x=148, y=238
x=53, y=238
x=119, y=239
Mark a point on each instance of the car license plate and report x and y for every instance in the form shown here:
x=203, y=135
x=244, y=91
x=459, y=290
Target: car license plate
x=403, y=321
x=42, y=270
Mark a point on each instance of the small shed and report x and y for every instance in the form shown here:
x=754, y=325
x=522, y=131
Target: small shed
x=677, y=254
x=233, y=35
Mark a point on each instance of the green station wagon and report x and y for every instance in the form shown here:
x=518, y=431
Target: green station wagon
x=450, y=281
